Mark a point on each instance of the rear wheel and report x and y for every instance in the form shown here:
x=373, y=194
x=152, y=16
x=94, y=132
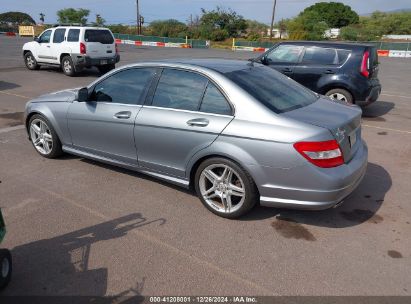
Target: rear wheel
x=225, y=188
x=340, y=94
x=30, y=61
x=44, y=138
x=5, y=268
x=103, y=69
x=67, y=66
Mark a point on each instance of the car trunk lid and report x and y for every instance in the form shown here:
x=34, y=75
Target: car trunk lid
x=341, y=120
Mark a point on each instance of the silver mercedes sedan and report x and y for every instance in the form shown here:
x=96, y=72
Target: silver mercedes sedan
x=237, y=132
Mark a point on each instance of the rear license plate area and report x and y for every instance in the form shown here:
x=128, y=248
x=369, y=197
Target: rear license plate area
x=103, y=61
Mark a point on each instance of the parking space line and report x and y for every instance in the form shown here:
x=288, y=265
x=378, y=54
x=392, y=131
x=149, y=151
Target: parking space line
x=157, y=241
x=388, y=129
x=17, y=95
x=392, y=95
x=9, y=129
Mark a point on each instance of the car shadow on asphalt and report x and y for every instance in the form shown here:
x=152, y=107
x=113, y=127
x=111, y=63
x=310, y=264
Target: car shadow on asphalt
x=4, y=85
x=59, y=266
x=92, y=72
x=374, y=111
x=361, y=206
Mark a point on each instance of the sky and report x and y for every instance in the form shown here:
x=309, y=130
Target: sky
x=124, y=11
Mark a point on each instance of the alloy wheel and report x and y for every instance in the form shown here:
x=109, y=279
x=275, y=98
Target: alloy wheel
x=222, y=188
x=67, y=66
x=338, y=96
x=41, y=136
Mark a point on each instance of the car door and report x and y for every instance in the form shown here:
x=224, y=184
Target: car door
x=284, y=58
x=178, y=121
x=57, y=44
x=104, y=125
x=318, y=65
x=43, y=50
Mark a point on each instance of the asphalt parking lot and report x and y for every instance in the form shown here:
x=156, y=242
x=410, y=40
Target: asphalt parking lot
x=77, y=227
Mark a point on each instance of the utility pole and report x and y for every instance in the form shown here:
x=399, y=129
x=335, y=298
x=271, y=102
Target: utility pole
x=272, y=20
x=138, y=19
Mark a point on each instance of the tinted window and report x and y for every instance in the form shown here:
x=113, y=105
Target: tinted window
x=318, y=55
x=45, y=37
x=179, y=90
x=102, y=36
x=73, y=35
x=58, y=36
x=285, y=53
x=214, y=101
x=127, y=86
x=276, y=91
x=343, y=55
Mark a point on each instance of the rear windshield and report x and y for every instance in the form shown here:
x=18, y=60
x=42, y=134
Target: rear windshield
x=276, y=91
x=102, y=36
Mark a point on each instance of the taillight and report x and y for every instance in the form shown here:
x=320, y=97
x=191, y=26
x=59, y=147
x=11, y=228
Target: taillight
x=116, y=48
x=324, y=154
x=82, y=48
x=365, y=64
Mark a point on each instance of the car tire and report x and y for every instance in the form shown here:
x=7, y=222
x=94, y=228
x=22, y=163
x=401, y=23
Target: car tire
x=43, y=137
x=103, y=69
x=5, y=268
x=31, y=62
x=220, y=193
x=340, y=94
x=67, y=66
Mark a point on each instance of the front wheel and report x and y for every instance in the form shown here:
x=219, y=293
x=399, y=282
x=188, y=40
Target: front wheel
x=225, y=188
x=43, y=137
x=30, y=61
x=340, y=94
x=5, y=268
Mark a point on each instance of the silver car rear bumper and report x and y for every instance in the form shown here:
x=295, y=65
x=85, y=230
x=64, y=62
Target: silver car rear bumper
x=345, y=178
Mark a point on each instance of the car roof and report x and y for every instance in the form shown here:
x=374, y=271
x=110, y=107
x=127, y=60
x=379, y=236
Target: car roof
x=216, y=64
x=334, y=44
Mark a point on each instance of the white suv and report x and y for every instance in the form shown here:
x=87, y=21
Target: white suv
x=73, y=48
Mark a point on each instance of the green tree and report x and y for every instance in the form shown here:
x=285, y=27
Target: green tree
x=334, y=14
x=308, y=26
x=71, y=15
x=16, y=18
x=168, y=28
x=221, y=19
x=99, y=20
x=255, y=29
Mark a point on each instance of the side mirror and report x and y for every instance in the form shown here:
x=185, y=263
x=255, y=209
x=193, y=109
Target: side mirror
x=36, y=39
x=82, y=95
x=263, y=59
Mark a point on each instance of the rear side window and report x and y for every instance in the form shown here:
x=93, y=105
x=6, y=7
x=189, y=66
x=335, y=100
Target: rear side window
x=73, y=35
x=319, y=55
x=343, y=55
x=285, y=53
x=214, y=101
x=276, y=91
x=179, y=90
x=58, y=36
x=127, y=86
x=102, y=36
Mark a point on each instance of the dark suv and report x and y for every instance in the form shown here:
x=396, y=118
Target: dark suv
x=341, y=71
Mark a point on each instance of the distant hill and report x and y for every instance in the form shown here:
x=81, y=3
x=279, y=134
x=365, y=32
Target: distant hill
x=398, y=10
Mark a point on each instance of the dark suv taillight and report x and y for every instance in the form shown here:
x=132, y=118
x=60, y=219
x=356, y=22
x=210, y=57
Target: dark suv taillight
x=365, y=64
x=82, y=48
x=324, y=154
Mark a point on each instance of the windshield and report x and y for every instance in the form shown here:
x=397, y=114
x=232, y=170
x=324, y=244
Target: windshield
x=102, y=36
x=276, y=91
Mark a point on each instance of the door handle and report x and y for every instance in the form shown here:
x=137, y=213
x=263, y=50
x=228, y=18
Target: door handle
x=329, y=72
x=287, y=70
x=48, y=46
x=198, y=122
x=123, y=115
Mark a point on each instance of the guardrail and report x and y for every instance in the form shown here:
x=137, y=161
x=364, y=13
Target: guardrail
x=160, y=41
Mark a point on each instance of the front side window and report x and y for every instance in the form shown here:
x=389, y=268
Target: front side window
x=319, y=55
x=102, y=36
x=73, y=35
x=58, y=36
x=285, y=53
x=274, y=90
x=179, y=90
x=128, y=87
x=214, y=101
x=45, y=37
